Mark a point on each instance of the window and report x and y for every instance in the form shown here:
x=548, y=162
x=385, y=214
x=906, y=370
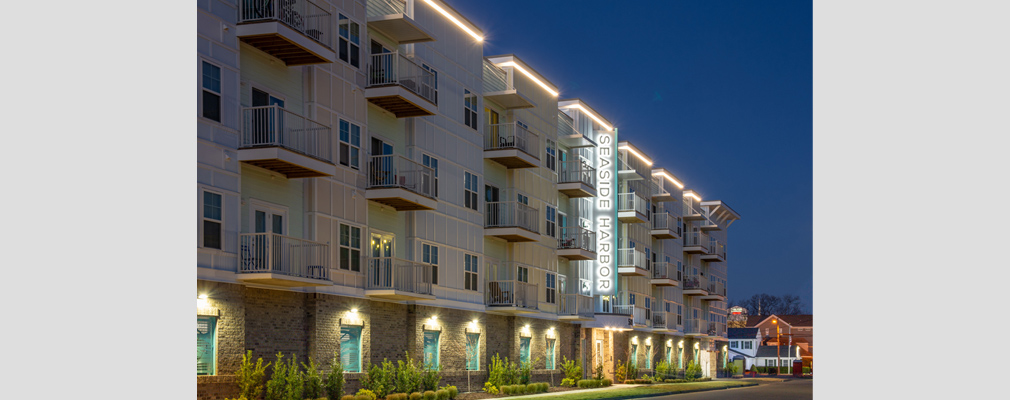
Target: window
x=550, y=161
x=524, y=350
x=680, y=358
x=431, y=162
x=551, y=287
x=550, y=353
x=469, y=109
x=473, y=351
x=769, y=362
x=669, y=355
x=434, y=75
x=524, y=199
x=350, y=144
x=470, y=190
x=470, y=272
x=429, y=255
x=551, y=221
x=523, y=274
x=349, y=41
x=350, y=248
x=206, y=345
x=634, y=355
x=431, y=349
x=211, y=91
x=680, y=315
x=648, y=356
x=734, y=344
x=748, y=345
x=212, y=220
x=350, y=348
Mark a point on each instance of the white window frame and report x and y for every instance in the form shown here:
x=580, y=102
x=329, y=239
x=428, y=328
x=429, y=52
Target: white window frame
x=426, y=160
x=470, y=192
x=220, y=97
x=523, y=273
x=427, y=259
x=349, y=142
x=551, y=291
x=473, y=271
x=203, y=218
x=468, y=112
x=349, y=246
x=350, y=56
x=551, y=156
x=269, y=208
x=551, y=216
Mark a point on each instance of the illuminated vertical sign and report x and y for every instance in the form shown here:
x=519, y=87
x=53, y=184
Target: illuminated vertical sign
x=606, y=215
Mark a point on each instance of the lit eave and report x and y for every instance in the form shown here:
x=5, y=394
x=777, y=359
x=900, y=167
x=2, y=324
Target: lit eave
x=637, y=154
x=669, y=178
x=590, y=114
x=534, y=78
x=455, y=20
x=692, y=194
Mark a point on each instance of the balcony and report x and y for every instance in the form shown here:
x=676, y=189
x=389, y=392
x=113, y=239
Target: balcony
x=577, y=243
x=716, y=292
x=626, y=171
x=498, y=89
x=577, y=179
x=708, y=225
x=297, y=32
x=569, y=136
x=512, y=145
x=631, y=262
x=284, y=261
x=641, y=317
x=695, y=327
x=632, y=208
x=660, y=193
x=287, y=143
x=512, y=221
x=716, y=252
x=390, y=18
x=715, y=330
x=400, y=183
x=696, y=243
x=663, y=321
x=665, y=226
x=396, y=279
x=695, y=285
x=511, y=297
x=665, y=274
x=575, y=307
x=691, y=212
x=398, y=85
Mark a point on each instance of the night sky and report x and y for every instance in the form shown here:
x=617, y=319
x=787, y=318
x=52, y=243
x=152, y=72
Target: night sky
x=718, y=92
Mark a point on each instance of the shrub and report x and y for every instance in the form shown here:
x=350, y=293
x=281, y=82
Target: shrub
x=367, y=394
x=631, y=370
x=606, y=382
x=573, y=371
x=416, y=396
x=278, y=379
x=619, y=372
x=693, y=371
x=408, y=376
x=313, y=382
x=347, y=397
x=488, y=388
x=662, y=369
x=441, y=394
x=453, y=391
x=806, y=370
x=250, y=377
x=507, y=390
x=335, y=379
x=295, y=382
x=431, y=377
x=429, y=395
x=599, y=371
x=362, y=397
x=567, y=382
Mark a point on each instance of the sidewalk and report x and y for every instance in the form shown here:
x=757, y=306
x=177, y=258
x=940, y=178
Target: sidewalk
x=567, y=392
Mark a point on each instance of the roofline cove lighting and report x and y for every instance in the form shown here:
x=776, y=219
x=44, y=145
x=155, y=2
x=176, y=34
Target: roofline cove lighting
x=637, y=154
x=529, y=75
x=591, y=115
x=675, y=182
x=458, y=23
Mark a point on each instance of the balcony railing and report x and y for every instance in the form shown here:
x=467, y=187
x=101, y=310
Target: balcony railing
x=661, y=320
x=718, y=248
x=716, y=329
x=576, y=237
x=632, y=202
x=395, y=171
x=577, y=171
x=495, y=78
x=267, y=126
x=511, y=136
x=378, y=8
x=270, y=252
x=576, y=304
x=632, y=258
x=662, y=220
x=659, y=187
x=509, y=214
x=695, y=282
x=717, y=288
x=397, y=274
x=622, y=309
x=697, y=239
x=300, y=15
x=689, y=209
x=641, y=316
x=665, y=270
x=511, y=293
x=565, y=127
x=694, y=326
x=396, y=69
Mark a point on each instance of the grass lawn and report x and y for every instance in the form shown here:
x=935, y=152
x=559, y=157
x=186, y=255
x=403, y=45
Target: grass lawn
x=652, y=390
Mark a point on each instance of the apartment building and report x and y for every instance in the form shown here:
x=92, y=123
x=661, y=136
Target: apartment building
x=370, y=184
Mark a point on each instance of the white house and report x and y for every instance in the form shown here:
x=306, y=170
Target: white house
x=744, y=343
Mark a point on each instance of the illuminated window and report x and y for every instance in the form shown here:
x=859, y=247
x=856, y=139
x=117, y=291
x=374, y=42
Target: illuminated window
x=524, y=350
x=550, y=353
x=206, y=345
x=350, y=348
x=473, y=351
x=431, y=349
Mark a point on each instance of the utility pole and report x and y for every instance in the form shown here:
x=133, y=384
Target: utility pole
x=778, y=345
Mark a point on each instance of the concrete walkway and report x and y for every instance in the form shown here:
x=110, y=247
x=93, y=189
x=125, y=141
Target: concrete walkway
x=567, y=392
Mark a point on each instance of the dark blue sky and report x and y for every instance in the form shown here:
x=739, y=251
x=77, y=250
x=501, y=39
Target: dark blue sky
x=719, y=92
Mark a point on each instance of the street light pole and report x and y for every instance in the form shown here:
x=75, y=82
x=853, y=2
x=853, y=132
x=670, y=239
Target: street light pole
x=778, y=344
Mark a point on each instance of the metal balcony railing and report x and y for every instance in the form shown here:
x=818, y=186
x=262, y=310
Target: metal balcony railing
x=267, y=126
x=641, y=316
x=715, y=329
x=622, y=309
x=577, y=171
x=512, y=136
x=576, y=237
x=300, y=15
x=629, y=161
x=660, y=320
x=632, y=258
x=377, y=8
x=270, y=252
x=398, y=274
x=511, y=214
x=697, y=239
x=576, y=304
x=495, y=78
x=395, y=171
x=718, y=248
x=632, y=202
x=695, y=282
x=662, y=220
x=396, y=69
x=717, y=288
x=565, y=127
x=511, y=293
x=664, y=270
x=694, y=326
x=690, y=209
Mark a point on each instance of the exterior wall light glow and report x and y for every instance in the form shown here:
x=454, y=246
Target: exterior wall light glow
x=201, y=300
x=529, y=75
x=454, y=20
x=593, y=116
x=667, y=176
x=354, y=311
x=692, y=194
x=637, y=154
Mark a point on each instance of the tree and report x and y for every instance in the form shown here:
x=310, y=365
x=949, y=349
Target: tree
x=765, y=304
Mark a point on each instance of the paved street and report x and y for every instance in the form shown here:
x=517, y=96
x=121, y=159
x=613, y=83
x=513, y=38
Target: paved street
x=794, y=389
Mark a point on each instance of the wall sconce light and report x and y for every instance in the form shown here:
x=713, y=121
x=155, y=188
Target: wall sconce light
x=201, y=300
